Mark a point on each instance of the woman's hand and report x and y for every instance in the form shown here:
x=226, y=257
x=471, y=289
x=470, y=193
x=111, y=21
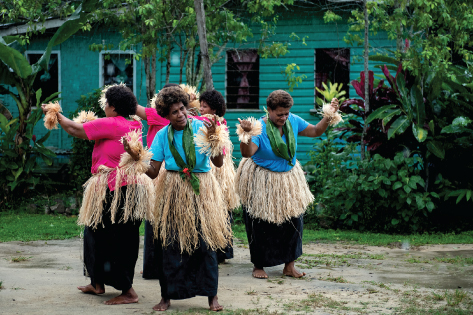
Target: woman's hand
x=126, y=146
x=245, y=125
x=43, y=107
x=211, y=125
x=193, y=111
x=334, y=104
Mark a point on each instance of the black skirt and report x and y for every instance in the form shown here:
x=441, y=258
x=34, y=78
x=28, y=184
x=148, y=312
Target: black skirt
x=183, y=275
x=227, y=253
x=111, y=250
x=152, y=254
x=272, y=244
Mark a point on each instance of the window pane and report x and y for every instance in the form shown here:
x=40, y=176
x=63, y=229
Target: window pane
x=332, y=65
x=242, y=79
x=47, y=81
x=118, y=68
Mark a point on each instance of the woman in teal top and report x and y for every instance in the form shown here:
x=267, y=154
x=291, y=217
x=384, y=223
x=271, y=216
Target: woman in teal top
x=272, y=186
x=191, y=222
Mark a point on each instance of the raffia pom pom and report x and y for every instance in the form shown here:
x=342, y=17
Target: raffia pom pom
x=140, y=194
x=50, y=119
x=333, y=117
x=103, y=99
x=85, y=116
x=256, y=130
x=213, y=144
x=142, y=165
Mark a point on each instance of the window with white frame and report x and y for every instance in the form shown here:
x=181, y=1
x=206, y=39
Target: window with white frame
x=49, y=81
x=332, y=65
x=118, y=67
x=242, y=88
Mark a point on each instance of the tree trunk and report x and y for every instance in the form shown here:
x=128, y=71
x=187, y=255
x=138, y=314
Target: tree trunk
x=367, y=94
x=150, y=75
x=168, y=63
x=200, y=17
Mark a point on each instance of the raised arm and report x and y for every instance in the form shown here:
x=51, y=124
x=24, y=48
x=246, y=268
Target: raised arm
x=141, y=112
x=247, y=149
x=313, y=131
x=71, y=127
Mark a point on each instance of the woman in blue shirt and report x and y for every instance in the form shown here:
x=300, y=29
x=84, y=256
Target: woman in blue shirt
x=272, y=186
x=191, y=222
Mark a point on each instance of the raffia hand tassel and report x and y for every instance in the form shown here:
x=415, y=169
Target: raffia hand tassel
x=256, y=130
x=333, y=117
x=140, y=194
x=50, y=119
x=189, y=89
x=213, y=144
x=85, y=116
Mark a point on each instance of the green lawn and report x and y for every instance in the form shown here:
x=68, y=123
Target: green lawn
x=30, y=227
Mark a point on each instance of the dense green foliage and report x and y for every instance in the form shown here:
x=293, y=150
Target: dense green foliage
x=377, y=194
x=18, y=146
x=81, y=158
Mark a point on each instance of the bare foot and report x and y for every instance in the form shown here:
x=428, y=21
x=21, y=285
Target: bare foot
x=163, y=305
x=89, y=289
x=213, y=303
x=141, y=271
x=127, y=297
x=290, y=271
x=259, y=273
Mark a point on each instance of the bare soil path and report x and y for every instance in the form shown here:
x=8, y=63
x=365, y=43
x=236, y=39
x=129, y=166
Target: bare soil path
x=41, y=278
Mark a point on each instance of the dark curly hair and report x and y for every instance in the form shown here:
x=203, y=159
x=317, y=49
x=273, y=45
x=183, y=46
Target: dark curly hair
x=215, y=100
x=169, y=96
x=123, y=99
x=279, y=98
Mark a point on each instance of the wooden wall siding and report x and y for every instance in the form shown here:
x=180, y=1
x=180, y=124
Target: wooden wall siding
x=80, y=71
x=321, y=35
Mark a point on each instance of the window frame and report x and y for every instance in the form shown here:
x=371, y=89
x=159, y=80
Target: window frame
x=122, y=52
x=59, y=71
x=226, y=84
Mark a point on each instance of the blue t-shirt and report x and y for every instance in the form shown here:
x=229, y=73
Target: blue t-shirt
x=161, y=152
x=265, y=156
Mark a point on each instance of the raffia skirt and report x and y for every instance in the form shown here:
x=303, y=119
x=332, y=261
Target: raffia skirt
x=273, y=208
x=225, y=176
x=111, y=249
x=189, y=230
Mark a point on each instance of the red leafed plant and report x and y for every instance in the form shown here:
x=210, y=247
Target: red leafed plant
x=376, y=138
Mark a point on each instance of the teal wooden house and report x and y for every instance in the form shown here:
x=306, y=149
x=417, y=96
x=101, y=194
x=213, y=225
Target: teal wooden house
x=244, y=78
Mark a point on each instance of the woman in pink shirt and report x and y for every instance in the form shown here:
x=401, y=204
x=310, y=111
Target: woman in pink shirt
x=111, y=237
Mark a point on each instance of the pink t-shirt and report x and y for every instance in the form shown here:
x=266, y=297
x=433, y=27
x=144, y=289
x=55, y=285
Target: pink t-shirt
x=107, y=133
x=155, y=123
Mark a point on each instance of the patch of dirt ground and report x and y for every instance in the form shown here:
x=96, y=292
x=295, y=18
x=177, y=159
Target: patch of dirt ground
x=41, y=278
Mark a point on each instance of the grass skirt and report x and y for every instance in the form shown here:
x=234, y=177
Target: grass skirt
x=225, y=176
x=138, y=201
x=111, y=250
x=275, y=197
x=182, y=217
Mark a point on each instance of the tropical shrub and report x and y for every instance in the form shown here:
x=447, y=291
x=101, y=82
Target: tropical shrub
x=377, y=194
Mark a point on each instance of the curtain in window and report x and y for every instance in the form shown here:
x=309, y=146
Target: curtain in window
x=244, y=61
